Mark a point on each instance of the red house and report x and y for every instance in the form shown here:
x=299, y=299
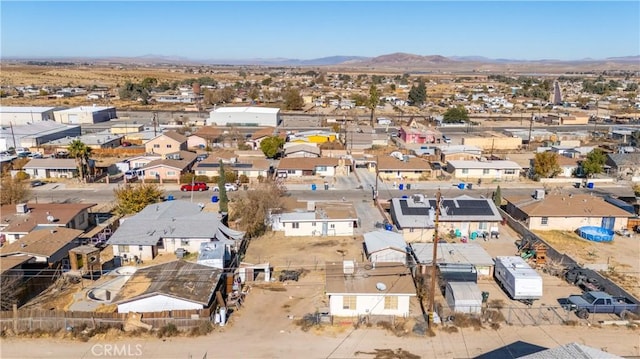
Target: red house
x=413, y=135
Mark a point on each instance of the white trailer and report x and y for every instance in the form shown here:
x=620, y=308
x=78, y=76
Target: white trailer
x=518, y=279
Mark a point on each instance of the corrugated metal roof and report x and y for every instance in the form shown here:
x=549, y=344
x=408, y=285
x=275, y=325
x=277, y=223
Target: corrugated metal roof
x=465, y=253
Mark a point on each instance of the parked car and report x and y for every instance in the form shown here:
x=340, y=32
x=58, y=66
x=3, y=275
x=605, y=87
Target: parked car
x=126, y=144
x=36, y=183
x=229, y=187
x=202, y=156
x=196, y=186
x=598, y=302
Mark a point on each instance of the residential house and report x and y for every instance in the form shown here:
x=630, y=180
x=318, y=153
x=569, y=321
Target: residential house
x=48, y=246
x=313, y=136
x=462, y=216
x=454, y=255
x=566, y=212
x=499, y=170
x=302, y=150
x=21, y=219
x=170, y=168
x=42, y=168
x=410, y=168
x=137, y=162
x=226, y=156
x=318, y=219
x=168, y=142
x=166, y=226
x=196, y=142
x=299, y=167
x=258, y=136
x=414, y=135
x=568, y=166
x=211, y=134
x=459, y=153
x=385, y=246
x=177, y=285
x=252, y=168
x=356, y=289
x=624, y=165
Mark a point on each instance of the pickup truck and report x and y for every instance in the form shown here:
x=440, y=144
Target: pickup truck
x=598, y=302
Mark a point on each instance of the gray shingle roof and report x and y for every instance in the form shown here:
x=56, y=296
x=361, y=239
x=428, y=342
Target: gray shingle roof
x=171, y=219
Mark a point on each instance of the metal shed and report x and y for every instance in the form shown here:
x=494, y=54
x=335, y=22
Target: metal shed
x=464, y=297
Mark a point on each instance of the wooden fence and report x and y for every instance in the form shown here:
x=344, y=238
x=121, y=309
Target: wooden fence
x=54, y=320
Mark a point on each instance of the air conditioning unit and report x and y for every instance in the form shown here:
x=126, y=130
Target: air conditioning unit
x=538, y=194
x=22, y=208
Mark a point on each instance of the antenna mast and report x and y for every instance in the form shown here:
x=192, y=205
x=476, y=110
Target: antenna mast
x=432, y=288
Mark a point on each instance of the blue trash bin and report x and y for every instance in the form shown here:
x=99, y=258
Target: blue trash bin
x=590, y=185
x=170, y=197
x=405, y=197
x=401, y=187
x=461, y=185
x=388, y=227
x=313, y=187
x=214, y=199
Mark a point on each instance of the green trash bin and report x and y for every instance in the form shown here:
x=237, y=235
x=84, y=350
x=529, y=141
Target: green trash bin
x=485, y=297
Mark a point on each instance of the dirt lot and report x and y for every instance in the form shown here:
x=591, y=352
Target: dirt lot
x=621, y=255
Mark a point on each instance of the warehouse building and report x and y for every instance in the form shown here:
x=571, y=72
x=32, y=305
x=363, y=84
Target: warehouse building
x=245, y=116
x=22, y=115
x=35, y=135
x=85, y=115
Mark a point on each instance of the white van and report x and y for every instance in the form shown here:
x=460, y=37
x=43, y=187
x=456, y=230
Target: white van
x=446, y=139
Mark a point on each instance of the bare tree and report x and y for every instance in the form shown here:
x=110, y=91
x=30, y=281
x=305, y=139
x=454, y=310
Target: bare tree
x=14, y=190
x=251, y=210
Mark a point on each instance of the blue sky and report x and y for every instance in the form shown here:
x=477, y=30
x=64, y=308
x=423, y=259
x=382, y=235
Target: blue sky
x=313, y=29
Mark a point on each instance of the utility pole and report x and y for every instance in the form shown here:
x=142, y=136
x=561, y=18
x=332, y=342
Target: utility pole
x=530, y=127
x=375, y=193
x=434, y=273
x=13, y=135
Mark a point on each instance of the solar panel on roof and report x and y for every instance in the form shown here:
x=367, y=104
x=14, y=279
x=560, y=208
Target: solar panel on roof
x=413, y=211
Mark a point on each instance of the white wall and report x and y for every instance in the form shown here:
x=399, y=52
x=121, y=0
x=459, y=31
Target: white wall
x=389, y=255
x=330, y=171
x=157, y=303
x=193, y=246
x=146, y=254
x=373, y=303
x=497, y=174
x=340, y=228
x=571, y=223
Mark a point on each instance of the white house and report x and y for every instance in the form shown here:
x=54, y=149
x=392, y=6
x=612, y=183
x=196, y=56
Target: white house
x=487, y=170
x=385, y=246
x=320, y=219
x=166, y=226
x=177, y=285
x=366, y=289
x=245, y=116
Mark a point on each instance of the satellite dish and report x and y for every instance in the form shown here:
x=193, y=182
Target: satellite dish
x=50, y=218
x=93, y=259
x=381, y=286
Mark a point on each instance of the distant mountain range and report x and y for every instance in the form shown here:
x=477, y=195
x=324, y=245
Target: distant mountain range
x=395, y=60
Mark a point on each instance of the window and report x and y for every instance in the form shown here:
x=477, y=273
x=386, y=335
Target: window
x=168, y=146
x=291, y=172
x=153, y=173
x=201, y=172
x=485, y=171
x=465, y=171
x=184, y=242
x=140, y=248
x=321, y=168
x=332, y=226
x=391, y=302
x=295, y=225
x=509, y=172
x=544, y=221
x=123, y=249
x=160, y=244
x=171, y=173
x=410, y=230
x=349, y=302
x=313, y=224
x=156, y=145
x=483, y=225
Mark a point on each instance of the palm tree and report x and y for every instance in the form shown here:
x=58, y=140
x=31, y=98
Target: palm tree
x=81, y=152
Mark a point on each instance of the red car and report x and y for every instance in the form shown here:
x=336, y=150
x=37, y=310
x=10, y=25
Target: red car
x=196, y=186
